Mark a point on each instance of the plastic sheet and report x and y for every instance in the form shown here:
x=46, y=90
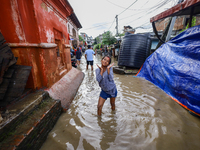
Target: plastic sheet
x=175, y=68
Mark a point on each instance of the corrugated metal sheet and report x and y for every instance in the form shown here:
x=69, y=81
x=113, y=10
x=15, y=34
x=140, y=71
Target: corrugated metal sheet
x=183, y=8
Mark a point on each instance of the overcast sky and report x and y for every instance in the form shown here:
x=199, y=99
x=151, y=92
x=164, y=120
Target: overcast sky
x=97, y=16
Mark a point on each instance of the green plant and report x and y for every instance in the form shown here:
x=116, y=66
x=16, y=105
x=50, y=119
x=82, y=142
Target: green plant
x=81, y=39
x=98, y=46
x=108, y=38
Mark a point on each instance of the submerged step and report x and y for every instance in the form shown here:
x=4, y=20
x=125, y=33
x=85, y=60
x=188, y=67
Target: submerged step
x=16, y=113
x=41, y=115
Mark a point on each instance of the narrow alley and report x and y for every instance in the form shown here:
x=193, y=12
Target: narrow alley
x=145, y=118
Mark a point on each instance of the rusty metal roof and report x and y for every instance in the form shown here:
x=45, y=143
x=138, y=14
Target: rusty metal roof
x=183, y=8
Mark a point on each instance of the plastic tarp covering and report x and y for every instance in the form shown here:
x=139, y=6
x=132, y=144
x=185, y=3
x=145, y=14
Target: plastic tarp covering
x=175, y=68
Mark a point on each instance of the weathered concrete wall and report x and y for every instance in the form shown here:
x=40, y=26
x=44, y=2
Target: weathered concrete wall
x=11, y=26
x=51, y=19
x=35, y=30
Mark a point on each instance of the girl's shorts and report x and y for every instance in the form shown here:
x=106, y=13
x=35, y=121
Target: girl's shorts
x=79, y=59
x=105, y=95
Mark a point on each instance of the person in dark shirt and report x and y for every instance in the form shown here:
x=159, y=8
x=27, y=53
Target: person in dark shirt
x=78, y=56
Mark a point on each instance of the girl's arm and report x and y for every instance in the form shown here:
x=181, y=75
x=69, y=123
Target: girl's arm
x=110, y=75
x=98, y=75
x=110, y=72
x=108, y=68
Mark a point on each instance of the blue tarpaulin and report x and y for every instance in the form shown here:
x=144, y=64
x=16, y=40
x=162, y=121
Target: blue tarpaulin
x=175, y=68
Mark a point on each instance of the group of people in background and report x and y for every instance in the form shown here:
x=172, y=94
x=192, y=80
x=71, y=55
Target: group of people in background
x=78, y=53
x=88, y=55
x=106, y=51
x=104, y=76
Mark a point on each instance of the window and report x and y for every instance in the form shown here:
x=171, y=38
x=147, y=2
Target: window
x=57, y=47
x=74, y=32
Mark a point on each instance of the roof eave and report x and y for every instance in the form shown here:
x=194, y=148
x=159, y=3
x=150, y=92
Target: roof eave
x=183, y=8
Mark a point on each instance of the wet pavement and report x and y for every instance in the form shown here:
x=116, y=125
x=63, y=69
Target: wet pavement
x=145, y=118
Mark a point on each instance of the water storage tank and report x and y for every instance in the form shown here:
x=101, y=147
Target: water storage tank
x=134, y=50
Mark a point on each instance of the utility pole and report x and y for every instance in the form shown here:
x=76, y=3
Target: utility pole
x=116, y=25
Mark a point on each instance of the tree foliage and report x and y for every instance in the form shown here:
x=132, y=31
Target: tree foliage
x=81, y=39
x=121, y=34
x=108, y=38
x=98, y=46
x=97, y=40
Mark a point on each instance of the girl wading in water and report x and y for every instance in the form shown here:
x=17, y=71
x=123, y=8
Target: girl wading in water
x=104, y=76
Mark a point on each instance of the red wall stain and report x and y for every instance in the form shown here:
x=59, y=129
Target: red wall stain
x=10, y=24
x=28, y=24
x=27, y=13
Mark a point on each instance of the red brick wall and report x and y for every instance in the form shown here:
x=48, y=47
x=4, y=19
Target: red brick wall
x=197, y=20
x=179, y=24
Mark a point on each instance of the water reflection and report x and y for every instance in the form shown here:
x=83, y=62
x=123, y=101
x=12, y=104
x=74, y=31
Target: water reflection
x=108, y=134
x=145, y=118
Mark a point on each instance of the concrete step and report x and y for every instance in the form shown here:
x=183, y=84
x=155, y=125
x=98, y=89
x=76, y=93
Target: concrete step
x=30, y=121
x=127, y=71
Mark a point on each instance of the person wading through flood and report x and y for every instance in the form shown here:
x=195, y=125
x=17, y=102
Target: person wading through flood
x=89, y=56
x=78, y=56
x=104, y=75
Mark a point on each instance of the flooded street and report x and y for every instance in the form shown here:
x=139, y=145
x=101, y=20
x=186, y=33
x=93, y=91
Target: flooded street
x=145, y=118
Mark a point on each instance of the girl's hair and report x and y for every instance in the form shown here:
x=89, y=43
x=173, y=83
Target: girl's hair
x=108, y=57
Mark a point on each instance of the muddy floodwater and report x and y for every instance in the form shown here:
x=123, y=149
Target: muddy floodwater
x=145, y=119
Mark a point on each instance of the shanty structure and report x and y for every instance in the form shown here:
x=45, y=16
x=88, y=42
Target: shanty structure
x=187, y=7
x=174, y=66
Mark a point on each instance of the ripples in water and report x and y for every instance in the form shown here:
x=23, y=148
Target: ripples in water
x=145, y=118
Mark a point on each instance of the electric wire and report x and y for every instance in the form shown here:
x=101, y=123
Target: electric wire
x=147, y=11
x=117, y=5
x=98, y=26
x=159, y=5
x=128, y=7
x=123, y=18
x=111, y=24
x=152, y=10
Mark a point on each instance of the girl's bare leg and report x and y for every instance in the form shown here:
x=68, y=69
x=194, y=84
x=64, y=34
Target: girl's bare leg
x=100, y=105
x=112, y=103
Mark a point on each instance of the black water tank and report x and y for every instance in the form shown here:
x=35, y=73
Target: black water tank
x=134, y=50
